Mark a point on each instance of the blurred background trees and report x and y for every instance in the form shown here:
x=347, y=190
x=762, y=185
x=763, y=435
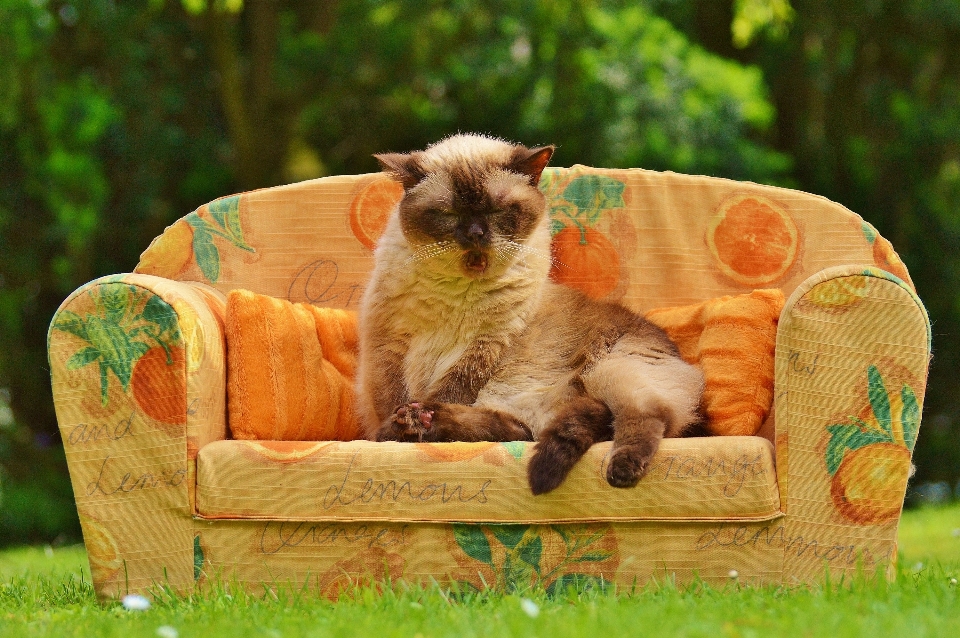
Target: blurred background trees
x=116, y=118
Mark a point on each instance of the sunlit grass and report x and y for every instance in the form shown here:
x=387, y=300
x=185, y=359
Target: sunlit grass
x=47, y=592
x=930, y=534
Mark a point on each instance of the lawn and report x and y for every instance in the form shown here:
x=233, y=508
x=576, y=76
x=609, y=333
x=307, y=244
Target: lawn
x=47, y=592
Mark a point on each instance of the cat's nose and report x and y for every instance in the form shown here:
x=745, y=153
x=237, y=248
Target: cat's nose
x=475, y=232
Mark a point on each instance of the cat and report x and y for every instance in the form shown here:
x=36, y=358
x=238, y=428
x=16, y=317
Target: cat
x=463, y=336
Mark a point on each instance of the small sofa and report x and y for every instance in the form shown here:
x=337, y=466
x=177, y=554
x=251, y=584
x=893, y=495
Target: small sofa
x=167, y=497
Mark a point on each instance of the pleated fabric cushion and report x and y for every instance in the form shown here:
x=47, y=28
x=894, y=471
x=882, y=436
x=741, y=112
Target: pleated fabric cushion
x=733, y=339
x=291, y=367
x=290, y=370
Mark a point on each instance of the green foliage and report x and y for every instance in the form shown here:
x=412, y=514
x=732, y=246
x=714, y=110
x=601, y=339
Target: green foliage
x=751, y=17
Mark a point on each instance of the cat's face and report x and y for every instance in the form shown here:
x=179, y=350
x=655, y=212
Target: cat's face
x=471, y=201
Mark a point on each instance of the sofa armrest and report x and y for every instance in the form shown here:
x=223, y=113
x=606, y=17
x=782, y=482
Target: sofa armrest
x=853, y=348
x=137, y=367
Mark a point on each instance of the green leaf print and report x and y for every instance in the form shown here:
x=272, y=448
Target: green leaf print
x=531, y=551
x=232, y=224
x=509, y=535
x=548, y=180
x=856, y=434
x=594, y=193
x=515, y=448
x=114, y=300
x=221, y=208
x=206, y=254
x=849, y=436
x=72, y=323
x=197, y=558
x=473, y=542
x=160, y=313
x=879, y=400
x=910, y=417
x=225, y=214
x=113, y=345
x=519, y=562
x=117, y=335
x=82, y=358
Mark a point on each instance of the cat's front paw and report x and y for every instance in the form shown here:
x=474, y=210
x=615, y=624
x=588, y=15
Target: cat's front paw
x=409, y=423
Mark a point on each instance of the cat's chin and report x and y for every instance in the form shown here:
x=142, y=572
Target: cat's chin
x=475, y=263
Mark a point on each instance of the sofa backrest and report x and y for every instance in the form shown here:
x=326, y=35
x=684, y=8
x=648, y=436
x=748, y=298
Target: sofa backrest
x=644, y=238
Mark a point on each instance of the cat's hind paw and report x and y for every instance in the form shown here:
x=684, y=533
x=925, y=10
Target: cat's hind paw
x=627, y=465
x=548, y=467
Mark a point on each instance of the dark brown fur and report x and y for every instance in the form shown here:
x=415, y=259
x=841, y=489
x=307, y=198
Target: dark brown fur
x=533, y=360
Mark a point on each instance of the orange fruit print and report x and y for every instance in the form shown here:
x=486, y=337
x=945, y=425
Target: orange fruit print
x=868, y=455
x=102, y=550
x=586, y=260
x=886, y=258
x=159, y=385
x=868, y=487
x=753, y=240
x=371, y=209
x=169, y=253
x=287, y=451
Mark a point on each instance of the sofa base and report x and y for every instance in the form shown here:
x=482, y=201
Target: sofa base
x=329, y=557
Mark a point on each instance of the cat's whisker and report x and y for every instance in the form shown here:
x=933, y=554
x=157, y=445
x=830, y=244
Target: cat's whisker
x=517, y=249
x=429, y=251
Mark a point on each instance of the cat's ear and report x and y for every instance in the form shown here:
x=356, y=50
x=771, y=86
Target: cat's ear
x=405, y=167
x=531, y=162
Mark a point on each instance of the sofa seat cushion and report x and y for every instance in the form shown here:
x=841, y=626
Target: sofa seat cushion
x=712, y=478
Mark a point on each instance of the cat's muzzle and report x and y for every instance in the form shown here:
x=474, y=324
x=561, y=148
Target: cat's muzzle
x=475, y=262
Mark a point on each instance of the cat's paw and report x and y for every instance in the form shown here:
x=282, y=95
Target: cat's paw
x=551, y=462
x=627, y=465
x=409, y=423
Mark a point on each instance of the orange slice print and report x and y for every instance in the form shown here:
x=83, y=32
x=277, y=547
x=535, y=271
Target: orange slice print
x=371, y=209
x=753, y=240
x=586, y=260
x=287, y=451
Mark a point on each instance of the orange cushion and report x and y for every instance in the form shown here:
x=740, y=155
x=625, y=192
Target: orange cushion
x=733, y=340
x=290, y=370
x=290, y=367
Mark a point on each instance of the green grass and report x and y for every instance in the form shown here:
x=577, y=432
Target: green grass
x=46, y=592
